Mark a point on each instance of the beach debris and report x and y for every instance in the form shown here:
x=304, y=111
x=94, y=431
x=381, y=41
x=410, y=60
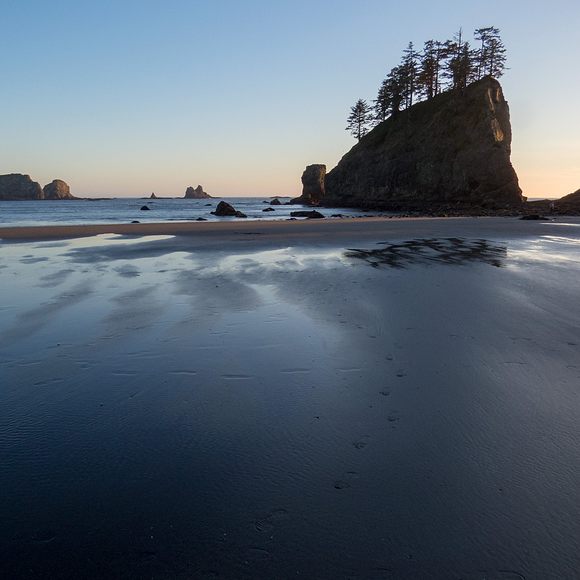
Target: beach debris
x=145, y=208
x=310, y=214
x=224, y=209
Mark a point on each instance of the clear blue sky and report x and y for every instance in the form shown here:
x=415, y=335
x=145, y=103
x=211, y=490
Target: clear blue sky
x=126, y=97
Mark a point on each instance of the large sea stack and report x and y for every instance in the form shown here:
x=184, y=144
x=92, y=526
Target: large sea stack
x=16, y=187
x=197, y=193
x=57, y=189
x=451, y=150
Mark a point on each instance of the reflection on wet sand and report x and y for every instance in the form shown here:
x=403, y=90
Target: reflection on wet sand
x=172, y=411
x=432, y=250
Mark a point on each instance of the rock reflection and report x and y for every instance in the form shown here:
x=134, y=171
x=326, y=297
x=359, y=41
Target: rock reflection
x=432, y=250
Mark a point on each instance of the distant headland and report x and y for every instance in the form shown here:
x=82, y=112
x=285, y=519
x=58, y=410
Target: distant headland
x=17, y=187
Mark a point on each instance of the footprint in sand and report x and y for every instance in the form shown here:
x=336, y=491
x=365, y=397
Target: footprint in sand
x=270, y=520
x=343, y=483
x=393, y=417
x=362, y=442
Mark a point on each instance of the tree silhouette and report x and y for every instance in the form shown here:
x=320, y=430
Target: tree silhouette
x=441, y=65
x=359, y=119
x=491, y=55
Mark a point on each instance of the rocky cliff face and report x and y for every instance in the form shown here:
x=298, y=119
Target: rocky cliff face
x=453, y=149
x=197, y=193
x=57, y=189
x=312, y=185
x=571, y=198
x=16, y=186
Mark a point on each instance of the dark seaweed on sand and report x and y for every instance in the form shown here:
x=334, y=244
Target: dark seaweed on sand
x=432, y=250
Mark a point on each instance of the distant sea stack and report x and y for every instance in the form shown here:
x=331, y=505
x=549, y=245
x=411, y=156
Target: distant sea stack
x=197, y=193
x=452, y=149
x=16, y=187
x=57, y=189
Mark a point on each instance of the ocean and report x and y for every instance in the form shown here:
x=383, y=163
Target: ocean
x=126, y=210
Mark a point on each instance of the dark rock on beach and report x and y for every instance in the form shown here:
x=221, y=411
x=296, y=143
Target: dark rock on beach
x=224, y=209
x=534, y=217
x=57, y=189
x=313, y=214
x=16, y=187
x=197, y=193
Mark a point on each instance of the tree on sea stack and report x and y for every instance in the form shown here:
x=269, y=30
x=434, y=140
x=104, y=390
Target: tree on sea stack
x=491, y=55
x=359, y=119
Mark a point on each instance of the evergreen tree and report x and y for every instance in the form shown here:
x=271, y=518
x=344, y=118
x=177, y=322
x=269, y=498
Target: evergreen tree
x=390, y=96
x=427, y=77
x=382, y=104
x=461, y=68
x=359, y=119
x=491, y=55
x=410, y=71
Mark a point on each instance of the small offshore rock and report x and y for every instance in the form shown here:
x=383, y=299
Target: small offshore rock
x=275, y=201
x=269, y=209
x=145, y=208
x=200, y=219
x=224, y=209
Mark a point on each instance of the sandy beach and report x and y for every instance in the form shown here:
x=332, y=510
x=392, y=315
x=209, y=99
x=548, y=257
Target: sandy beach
x=358, y=398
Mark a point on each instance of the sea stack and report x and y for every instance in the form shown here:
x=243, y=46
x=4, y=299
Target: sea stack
x=453, y=149
x=197, y=193
x=57, y=189
x=312, y=185
x=17, y=186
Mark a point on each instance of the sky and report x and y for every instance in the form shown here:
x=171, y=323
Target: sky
x=129, y=97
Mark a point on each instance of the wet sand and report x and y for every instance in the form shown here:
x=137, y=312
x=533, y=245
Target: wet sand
x=334, y=399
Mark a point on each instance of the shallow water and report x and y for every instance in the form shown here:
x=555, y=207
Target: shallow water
x=170, y=412
x=126, y=210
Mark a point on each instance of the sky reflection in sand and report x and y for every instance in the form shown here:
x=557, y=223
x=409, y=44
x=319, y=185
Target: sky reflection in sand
x=249, y=406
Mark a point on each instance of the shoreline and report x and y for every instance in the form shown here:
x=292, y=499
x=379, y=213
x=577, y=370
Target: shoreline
x=365, y=227
x=47, y=232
